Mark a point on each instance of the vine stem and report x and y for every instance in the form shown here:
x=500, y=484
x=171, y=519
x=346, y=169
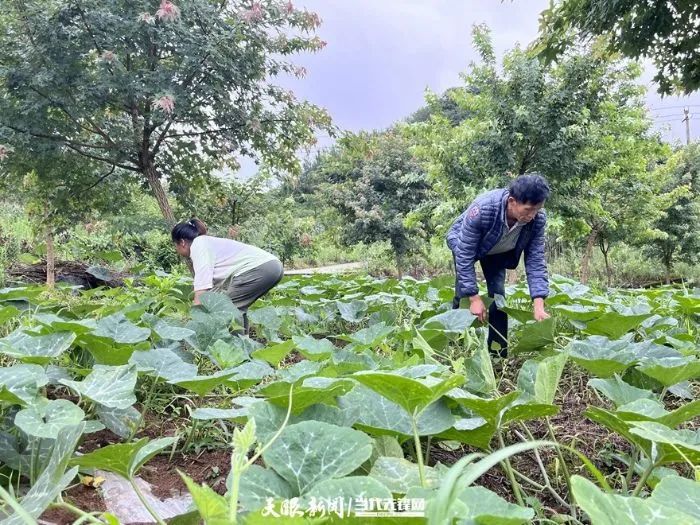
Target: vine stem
x=419, y=452
x=565, y=468
x=237, y=470
x=509, y=471
x=643, y=479
x=145, y=502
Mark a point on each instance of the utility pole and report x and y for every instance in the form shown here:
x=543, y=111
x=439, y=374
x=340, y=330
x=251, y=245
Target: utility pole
x=686, y=111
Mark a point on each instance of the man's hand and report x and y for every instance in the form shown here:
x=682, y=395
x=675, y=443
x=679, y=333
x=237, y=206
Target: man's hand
x=540, y=313
x=477, y=307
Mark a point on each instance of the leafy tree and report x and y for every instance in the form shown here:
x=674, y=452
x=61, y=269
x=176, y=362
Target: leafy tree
x=380, y=189
x=527, y=117
x=667, y=32
x=168, y=90
x=679, y=223
x=57, y=189
x=625, y=195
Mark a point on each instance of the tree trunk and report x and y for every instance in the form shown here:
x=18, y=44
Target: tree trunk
x=513, y=276
x=159, y=193
x=605, y=249
x=586, y=260
x=399, y=267
x=50, y=258
x=668, y=274
x=608, y=272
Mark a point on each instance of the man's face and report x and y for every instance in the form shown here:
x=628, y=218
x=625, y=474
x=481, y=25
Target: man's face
x=523, y=212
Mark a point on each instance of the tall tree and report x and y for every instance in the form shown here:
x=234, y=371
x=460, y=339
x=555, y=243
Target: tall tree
x=679, y=223
x=159, y=90
x=378, y=186
x=664, y=31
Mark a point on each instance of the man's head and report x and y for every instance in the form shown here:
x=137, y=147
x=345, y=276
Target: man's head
x=527, y=194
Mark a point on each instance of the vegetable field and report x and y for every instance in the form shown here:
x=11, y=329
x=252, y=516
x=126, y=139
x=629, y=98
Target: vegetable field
x=354, y=400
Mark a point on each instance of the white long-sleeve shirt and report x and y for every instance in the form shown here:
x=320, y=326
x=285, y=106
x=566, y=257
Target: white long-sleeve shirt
x=214, y=259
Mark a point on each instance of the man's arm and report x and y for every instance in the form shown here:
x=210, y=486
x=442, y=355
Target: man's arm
x=536, y=269
x=466, y=249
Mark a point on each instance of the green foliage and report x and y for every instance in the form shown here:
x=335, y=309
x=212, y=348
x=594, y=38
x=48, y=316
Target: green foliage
x=637, y=29
x=680, y=240
x=106, y=81
x=379, y=188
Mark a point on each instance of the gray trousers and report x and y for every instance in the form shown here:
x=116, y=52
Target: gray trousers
x=250, y=286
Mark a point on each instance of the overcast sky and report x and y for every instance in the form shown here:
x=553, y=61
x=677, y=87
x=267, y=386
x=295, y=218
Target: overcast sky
x=383, y=54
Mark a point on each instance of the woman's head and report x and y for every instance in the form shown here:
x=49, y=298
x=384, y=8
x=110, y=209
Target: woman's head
x=185, y=232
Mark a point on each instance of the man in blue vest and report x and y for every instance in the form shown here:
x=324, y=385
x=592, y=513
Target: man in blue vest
x=496, y=229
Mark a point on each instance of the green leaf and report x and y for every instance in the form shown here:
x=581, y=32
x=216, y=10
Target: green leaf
x=106, y=351
x=411, y=394
x=39, y=349
x=121, y=421
x=218, y=308
x=147, y=452
x=371, y=336
x=274, y=354
x=399, y=475
x=601, y=356
x=619, y=392
x=257, y=484
x=162, y=363
x=22, y=382
x=48, y=419
x=352, y=311
x=313, y=349
x=535, y=335
x=54, y=479
x=489, y=409
x=456, y=321
x=527, y=411
x=487, y=508
x=267, y=317
x=206, y=332
x=307, y=392
x=202, y=385
x=164, y=330
x=612, y=509
x=226, y=355
x=539, y=379
x=684, y=441
x=248, y=374
x=100, y=272
x=577, y=312
x=110, y=386
x=387, y=418
x=212, y=507
x=309, y=452
x=120, y=330
x=614, y=324
x=124, y=459
x=679, y=493
x=671, y=370
x=355, y=487
x=479, y=370
x=7, y=313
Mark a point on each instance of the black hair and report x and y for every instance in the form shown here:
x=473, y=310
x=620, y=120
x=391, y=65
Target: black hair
x=531, y=188
x=188, y=230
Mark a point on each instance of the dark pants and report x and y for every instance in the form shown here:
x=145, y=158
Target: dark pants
x=494, y=268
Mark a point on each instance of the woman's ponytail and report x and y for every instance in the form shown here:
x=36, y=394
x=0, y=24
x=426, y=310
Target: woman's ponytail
x=188, y=230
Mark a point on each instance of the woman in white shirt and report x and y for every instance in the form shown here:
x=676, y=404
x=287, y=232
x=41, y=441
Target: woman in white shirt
x=244, y=272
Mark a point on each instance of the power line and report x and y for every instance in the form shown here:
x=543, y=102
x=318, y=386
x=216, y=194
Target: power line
x=662, y=108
